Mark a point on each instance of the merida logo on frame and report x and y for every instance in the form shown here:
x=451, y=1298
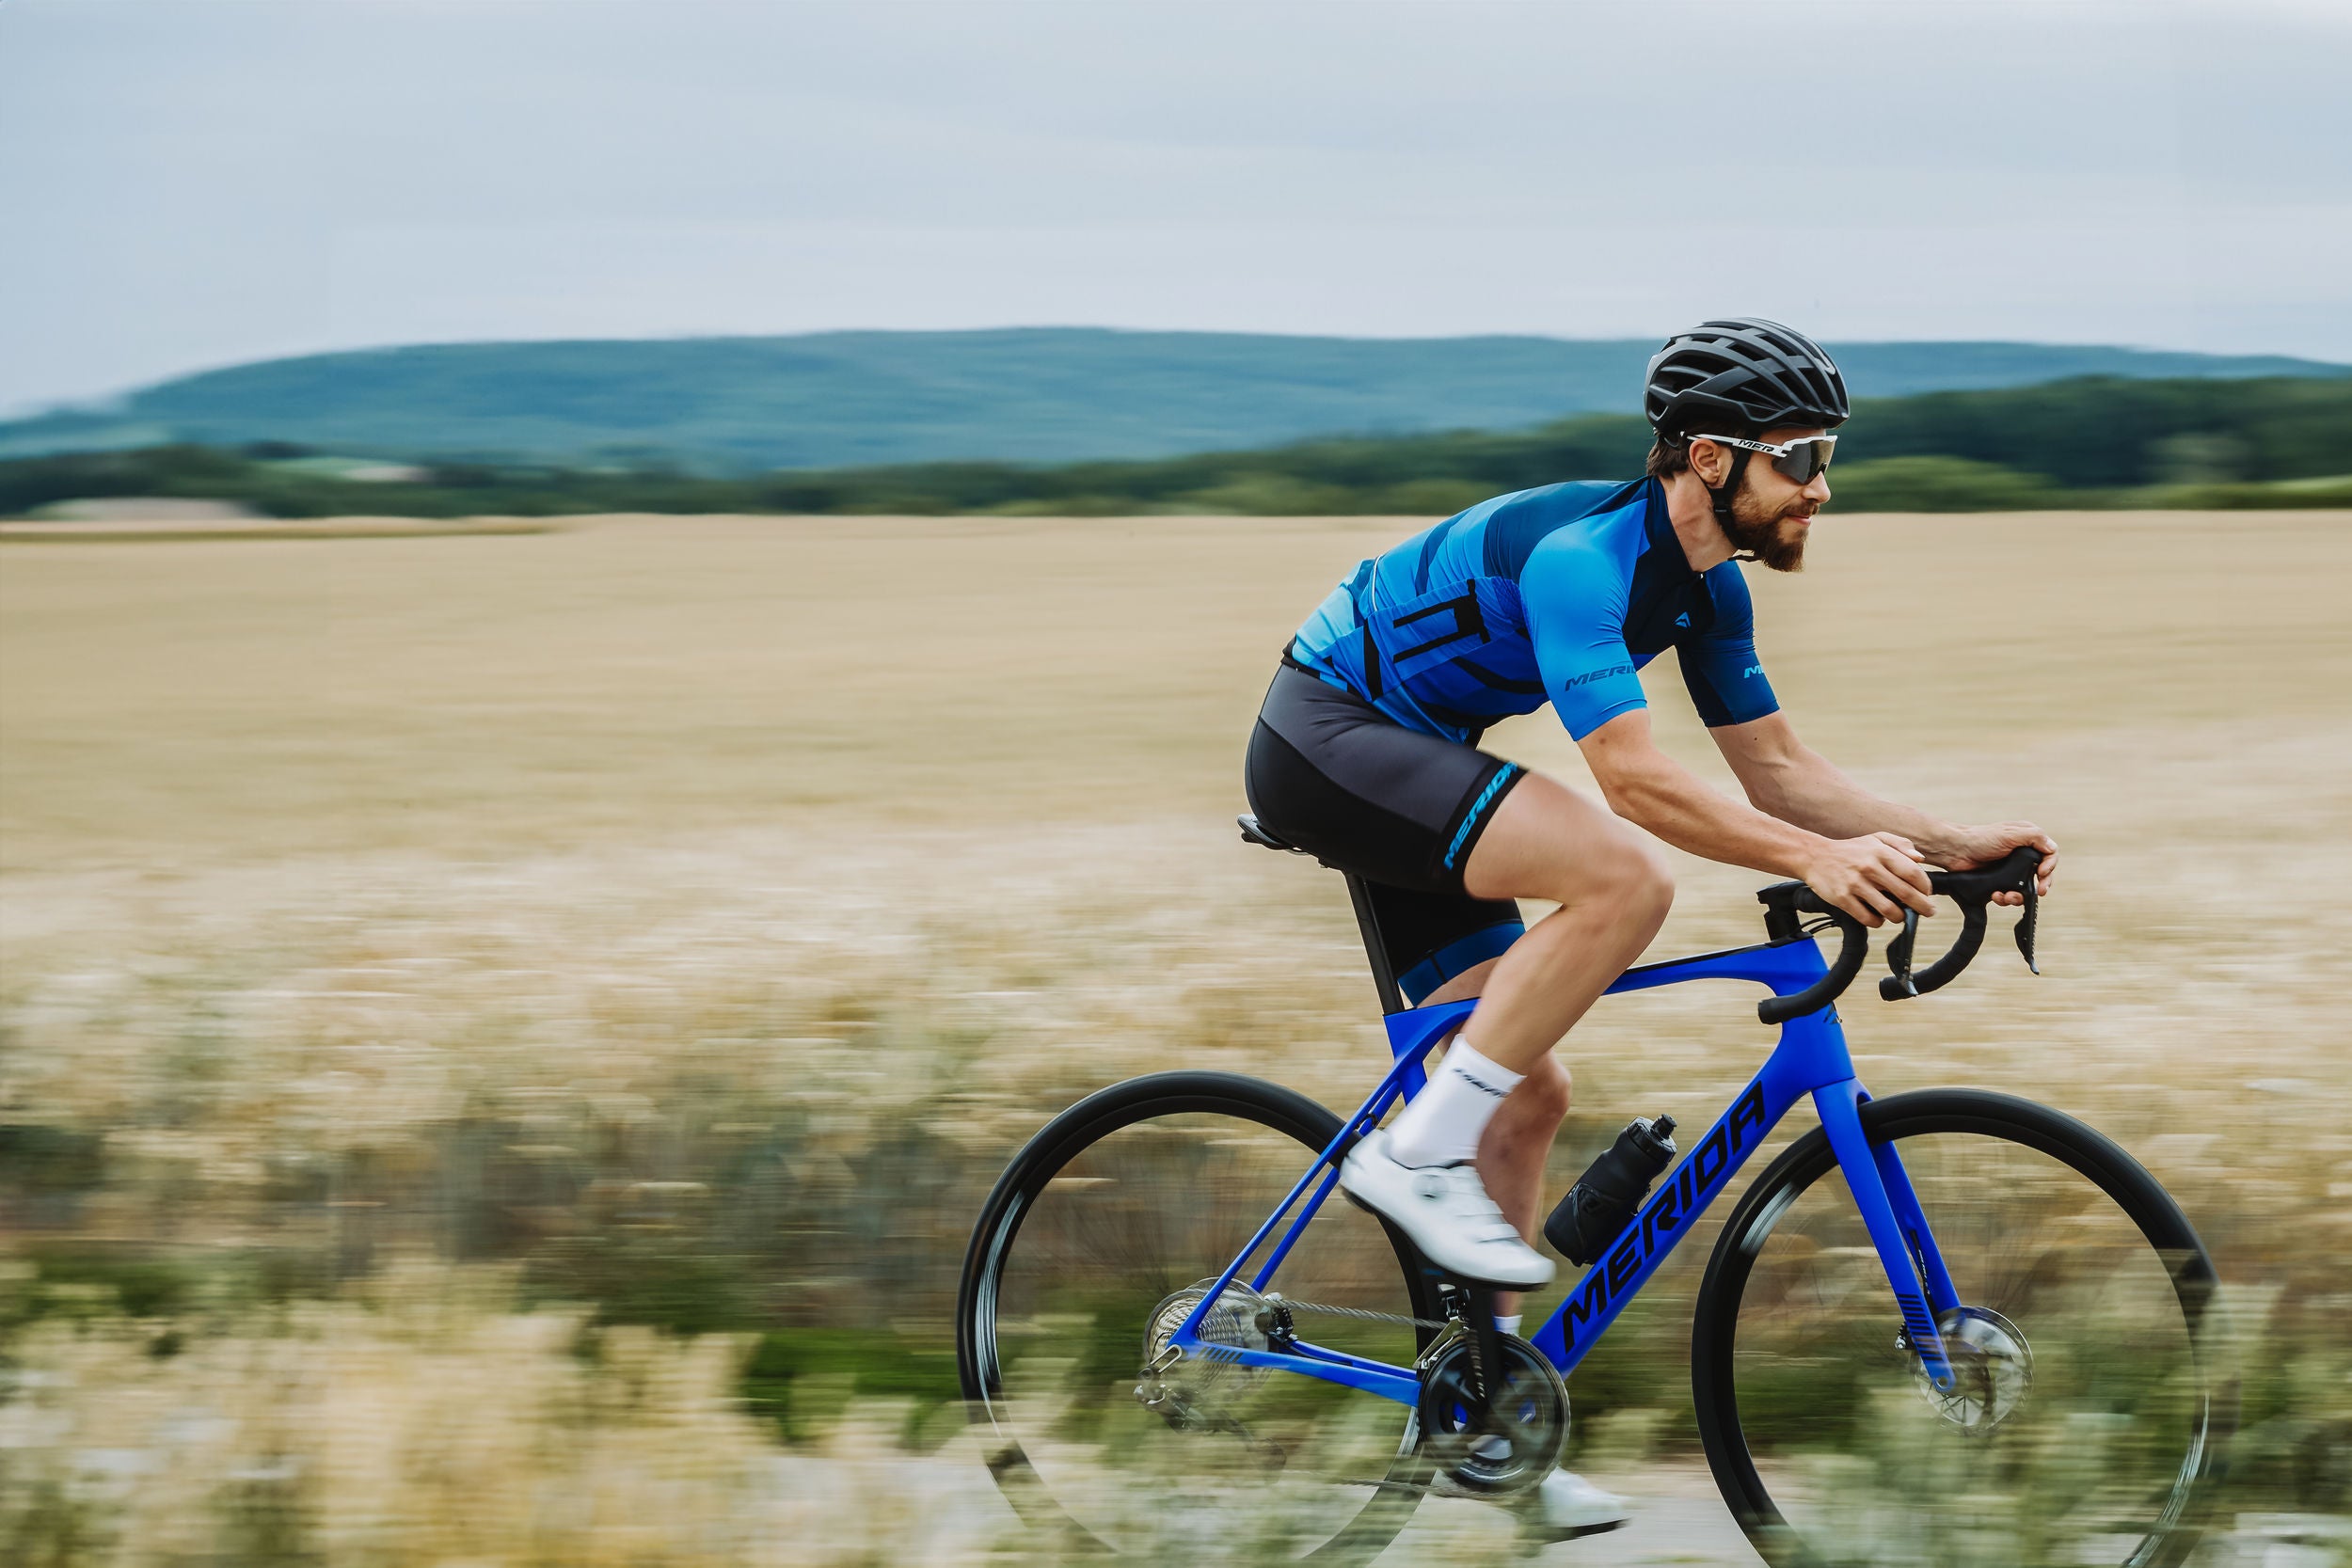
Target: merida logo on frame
x=1699, y=1172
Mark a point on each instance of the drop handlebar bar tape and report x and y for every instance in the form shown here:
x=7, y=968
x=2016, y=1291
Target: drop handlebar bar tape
x=1973, y=891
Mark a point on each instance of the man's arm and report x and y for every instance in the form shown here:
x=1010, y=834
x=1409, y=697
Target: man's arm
x=1789, y=780
x=1871, y=875
x=1575, y=595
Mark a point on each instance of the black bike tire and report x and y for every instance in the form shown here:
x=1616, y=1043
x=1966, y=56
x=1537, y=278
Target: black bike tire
x=1054, y=1146
x=2088, y=1152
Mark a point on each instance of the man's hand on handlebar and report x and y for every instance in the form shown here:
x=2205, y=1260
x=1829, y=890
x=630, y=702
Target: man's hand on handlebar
x=1990, y=843
x=1873, y=877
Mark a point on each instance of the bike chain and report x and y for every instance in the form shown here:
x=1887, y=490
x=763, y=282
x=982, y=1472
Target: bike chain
x=1360, y=1314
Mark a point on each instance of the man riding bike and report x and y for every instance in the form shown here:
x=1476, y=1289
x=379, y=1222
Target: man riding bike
x=1365, y=753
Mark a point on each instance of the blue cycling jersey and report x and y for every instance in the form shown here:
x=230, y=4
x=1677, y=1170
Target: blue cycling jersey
x=1556, y=594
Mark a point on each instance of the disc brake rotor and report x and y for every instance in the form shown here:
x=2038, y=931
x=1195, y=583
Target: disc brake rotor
x=1991, y=1370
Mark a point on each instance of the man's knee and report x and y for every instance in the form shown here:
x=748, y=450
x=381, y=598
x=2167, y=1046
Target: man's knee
x=1654, y=885
x=1632, y=878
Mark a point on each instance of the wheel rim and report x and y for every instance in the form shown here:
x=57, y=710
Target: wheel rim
x=2088, y=1426
x=1122, y=1221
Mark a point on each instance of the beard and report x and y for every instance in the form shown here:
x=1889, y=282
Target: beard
x=1758, y=532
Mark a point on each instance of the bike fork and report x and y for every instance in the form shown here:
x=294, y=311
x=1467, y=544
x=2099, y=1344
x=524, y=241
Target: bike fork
x=1899, y=1228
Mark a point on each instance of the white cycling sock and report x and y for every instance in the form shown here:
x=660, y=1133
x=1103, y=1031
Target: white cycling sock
x=1442, y=1125
x=1508, y=1325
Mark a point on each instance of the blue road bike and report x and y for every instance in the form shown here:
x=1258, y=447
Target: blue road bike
x=1946, y=1326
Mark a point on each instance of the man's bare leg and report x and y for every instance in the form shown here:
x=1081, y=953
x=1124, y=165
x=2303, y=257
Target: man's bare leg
x=1614, y=891
x=1511, y=1157
x=1513, y=1150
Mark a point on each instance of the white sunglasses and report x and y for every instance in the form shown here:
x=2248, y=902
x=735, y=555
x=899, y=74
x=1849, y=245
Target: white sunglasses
x=1800, y=459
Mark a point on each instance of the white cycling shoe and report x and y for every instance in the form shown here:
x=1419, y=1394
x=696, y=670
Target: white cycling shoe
x=1565, y=1506
x=1562, y=1505
x=1447, y=1213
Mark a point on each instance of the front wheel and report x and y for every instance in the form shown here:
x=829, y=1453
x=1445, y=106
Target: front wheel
x=2087, y=1411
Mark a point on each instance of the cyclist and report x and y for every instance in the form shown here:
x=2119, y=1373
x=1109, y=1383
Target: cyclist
x=1366, y=754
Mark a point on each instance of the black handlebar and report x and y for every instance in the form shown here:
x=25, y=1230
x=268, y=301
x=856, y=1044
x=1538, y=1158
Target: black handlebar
x=1786, y=903
x=1972, y=891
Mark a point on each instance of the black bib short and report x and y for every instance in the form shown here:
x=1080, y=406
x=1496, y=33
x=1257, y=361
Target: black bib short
x=1334, y=775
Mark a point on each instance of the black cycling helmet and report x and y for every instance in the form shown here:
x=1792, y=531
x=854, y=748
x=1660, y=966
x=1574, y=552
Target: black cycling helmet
x=1743, y=372
x=1739, y=376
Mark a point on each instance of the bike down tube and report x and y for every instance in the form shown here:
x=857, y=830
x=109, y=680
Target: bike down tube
x=1410, y=1036
x=1682, y=1194
x=1810, y=1056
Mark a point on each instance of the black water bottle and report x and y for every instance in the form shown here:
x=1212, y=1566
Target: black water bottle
x=1602, y=1202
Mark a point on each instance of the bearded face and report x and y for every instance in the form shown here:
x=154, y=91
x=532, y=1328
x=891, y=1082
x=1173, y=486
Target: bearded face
x=1772, y=533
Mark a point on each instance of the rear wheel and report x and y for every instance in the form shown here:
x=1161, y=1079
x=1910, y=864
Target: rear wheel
x=1096, y=1244
x=2084, y=1417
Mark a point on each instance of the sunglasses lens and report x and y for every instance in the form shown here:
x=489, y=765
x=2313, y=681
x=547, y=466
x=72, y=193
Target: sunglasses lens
x=1804, y=461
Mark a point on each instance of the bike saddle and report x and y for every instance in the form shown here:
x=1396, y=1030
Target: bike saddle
x=1253, y=831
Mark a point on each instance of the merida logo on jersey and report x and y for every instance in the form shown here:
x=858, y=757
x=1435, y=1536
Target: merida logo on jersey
x=1589, y=677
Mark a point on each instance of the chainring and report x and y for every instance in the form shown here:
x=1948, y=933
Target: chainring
x=1526, y=1426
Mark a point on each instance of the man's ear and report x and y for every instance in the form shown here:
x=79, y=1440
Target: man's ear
x=1710, y=462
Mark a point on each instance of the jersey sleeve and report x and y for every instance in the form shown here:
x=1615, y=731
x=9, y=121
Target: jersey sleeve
x=1720, y=667
x=1574, y=599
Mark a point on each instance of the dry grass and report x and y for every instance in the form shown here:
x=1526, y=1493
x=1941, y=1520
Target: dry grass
x=422, y=1423
x=607, y=859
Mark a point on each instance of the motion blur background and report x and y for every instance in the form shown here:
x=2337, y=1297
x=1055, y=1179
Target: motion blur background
x=612, y=683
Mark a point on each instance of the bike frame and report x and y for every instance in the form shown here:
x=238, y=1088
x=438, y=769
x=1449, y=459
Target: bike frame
x=1809, y=1059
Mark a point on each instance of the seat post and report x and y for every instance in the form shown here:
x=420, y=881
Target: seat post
x=1376, y=951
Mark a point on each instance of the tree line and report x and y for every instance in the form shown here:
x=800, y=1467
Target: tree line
x=2090, y=441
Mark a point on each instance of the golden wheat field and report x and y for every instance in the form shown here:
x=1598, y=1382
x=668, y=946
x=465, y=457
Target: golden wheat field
x=503, y=1037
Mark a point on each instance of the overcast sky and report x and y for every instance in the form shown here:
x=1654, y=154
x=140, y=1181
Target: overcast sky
x=186, y=183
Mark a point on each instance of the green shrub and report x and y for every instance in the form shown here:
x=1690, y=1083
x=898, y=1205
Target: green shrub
x=2286, y=494
x=802, y=1379
x=1273, y=495
x=36, y=1159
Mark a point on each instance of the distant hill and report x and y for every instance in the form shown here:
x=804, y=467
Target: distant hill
x=1026, y=395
